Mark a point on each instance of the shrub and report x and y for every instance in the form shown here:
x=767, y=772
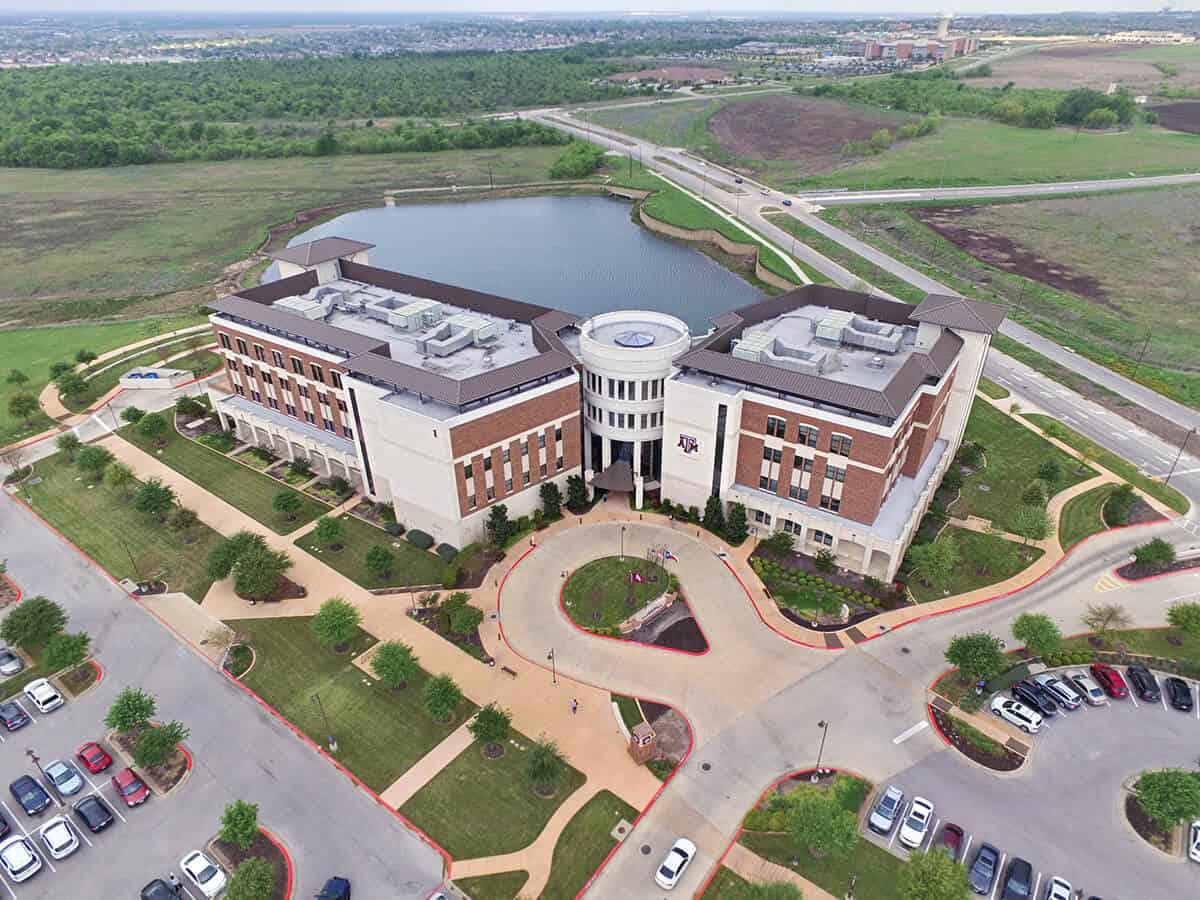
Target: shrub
x=465, y=619
x=450, y=578
x=190, y=406
x=33, y=623
x=239, y=824
x=336, y=622
x=394, y=528
x=1154, y=553
x=253, y=879
x=132, y=415
x=447, y=551
x=156, y=744
x=419, y=539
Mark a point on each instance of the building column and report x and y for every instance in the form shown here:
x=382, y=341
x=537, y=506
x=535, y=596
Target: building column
x=587, y=448
x=637, y=464
x=605, y=453
x=638, y=494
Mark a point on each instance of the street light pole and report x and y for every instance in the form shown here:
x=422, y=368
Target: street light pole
x=553, y=667
x=816, y=775
x=333, y=745
x=37, y=762
x=1141, y=355
x=621, y=546
x=1187, y=437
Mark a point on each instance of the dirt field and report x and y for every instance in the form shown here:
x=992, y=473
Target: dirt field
x=1181, y=116
x=786, y=127
x=1097, y=66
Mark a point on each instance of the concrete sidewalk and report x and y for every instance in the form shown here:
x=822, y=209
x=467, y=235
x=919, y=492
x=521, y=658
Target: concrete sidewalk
x=755, y=869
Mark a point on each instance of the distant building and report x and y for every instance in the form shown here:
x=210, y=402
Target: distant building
x=675, y=75
x=1150, y=37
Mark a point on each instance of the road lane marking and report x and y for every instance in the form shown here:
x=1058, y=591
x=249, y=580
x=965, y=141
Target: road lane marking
x=909, y=732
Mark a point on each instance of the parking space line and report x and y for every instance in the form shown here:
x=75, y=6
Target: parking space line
x=933, y=831
x=966, y=849
x=96, y=789
x=1134, y=699
x=999, y=876
x=79, y=831
x=3, y=739
x=1163, y=699
x=24, y=710
x=1037, y=884
x=36, y=843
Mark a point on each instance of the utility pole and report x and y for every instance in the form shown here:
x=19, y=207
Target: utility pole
x=816, y=775
x=1142, y=355
x=1187, y=437
x=491, y=179
x=333, y=745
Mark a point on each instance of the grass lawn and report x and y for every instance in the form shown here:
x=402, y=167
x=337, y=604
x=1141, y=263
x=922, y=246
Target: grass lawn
x=631, y=714
x=584, y=843
x=483, y=807
x=1148, y=642
x=13, y=685
x=1083, y=516
x=237, y=485
x=600, y=594
x=729, y=885
x=110, y=371
x=993, y=390
x=1013, y=456
x=108, y=529
x=412, y=566
x=34, y=350
x=877, y=870
x=1112, y=462
x=501, y=886
x=983, y=559
x=380, y=732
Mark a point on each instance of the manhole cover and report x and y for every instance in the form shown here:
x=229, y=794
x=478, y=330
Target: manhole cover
x=645, y=848
x=706, y=766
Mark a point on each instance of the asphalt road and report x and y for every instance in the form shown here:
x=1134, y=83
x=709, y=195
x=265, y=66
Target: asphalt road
x=329, y=826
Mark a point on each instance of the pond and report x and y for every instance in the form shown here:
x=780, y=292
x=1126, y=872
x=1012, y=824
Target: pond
x=579, y=254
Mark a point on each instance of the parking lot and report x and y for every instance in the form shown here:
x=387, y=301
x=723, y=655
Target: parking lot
x=1064, y=810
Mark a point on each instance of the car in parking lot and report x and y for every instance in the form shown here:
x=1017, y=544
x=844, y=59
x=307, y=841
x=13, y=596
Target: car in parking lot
x=41, y=693
x=59, y=837
x=19, y=859
x=1179, y=693
x=93, y=813
x=94, y=757
x=1018, y=880
x=1086, y=686
x=1110, y=679
x=887, y=807
x=203, y=873
x=10, y=663
x=31, y=795
x=66, y=779
x=336, y=888
x=1064, y=695
x=130, y=788
x=1034, y=696
x=1016, y=713
x=1059, y=889
x=951, y=840
x=157, y=890
x=982, y=874
x=787, y=202
x=1145, y=685
x=13, y=716
x=671, y=869
x=1194, y=842
x=916, y=824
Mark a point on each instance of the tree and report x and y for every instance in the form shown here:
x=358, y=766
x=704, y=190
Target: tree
x=579, y=160
x=287, y=504
x=17, y=377
x=133, y=708
x=465, y=619
x=33, y=622
x=336, y=622
x=1106, y=618
x=94, y=460
x=70, y=385
x=498, y=526
x=329, y=532
x=1035, y=494
x=183, y=519
x=153, y=426
x=551, y=498
x=379, y=561
x=1185, y=617
x=189, y=407
x=1037, y=632
x=1119, y=505
x=576, y=492
x=933, y=875
x=59, y=369
x=545, y=766
x=253, y=879
x=881, y=140
x=1050, y=472
x=23, y=406
x=223, y=556
x=817, y=821
x=85, y=356
x=394, y=664
x=736, y=527
x=492, y=725
x=120, y=478
x=935, y=561
x=714, y=515
x=65, y=651
x=68, y=442
x=258, y=571
x=1156, y=553
x=780, y=543
x=154, y=498
x=1169, y=796
x=239, y=824
x=1033, y=523
x=441, y=697
x=1100, y=119
x=978, y=656
x=132, y=415
x=156, y=744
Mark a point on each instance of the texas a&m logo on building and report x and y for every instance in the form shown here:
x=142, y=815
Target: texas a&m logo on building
x=688, y=444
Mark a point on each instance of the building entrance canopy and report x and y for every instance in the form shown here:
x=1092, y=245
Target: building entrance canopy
x=617, y=477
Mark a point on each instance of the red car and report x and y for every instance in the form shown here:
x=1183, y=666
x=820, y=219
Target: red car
x=130, y=788
x=1110, y=679
x=94, y=757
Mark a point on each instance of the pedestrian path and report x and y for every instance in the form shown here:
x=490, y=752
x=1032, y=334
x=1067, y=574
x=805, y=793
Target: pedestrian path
x=755, y=869
x=424, y=770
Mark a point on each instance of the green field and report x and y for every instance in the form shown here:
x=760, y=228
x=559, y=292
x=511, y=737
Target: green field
x=978, y=564
x=584, y=844
x=412, y=566
x=1083, y=516
x=107, y=374
x=501, y=886
x=106, y=527
x=601, y=595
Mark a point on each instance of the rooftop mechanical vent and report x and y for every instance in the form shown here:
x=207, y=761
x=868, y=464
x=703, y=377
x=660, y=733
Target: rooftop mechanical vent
x=633, y=339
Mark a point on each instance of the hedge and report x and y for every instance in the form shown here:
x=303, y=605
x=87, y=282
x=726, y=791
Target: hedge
x=420, y=539
x=447, y=551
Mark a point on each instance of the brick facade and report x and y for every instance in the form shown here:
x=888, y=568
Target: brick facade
x=518, y=419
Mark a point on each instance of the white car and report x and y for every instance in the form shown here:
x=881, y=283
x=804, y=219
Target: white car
x=1017, y=713
x=1059, y=889
x=672, y=868
x=1194, y=842
x=203, y=873
x=1086, y=685
x=42, y=694
x=59, y=837
x=887, y=807
x=916, y=823
x=19, y=859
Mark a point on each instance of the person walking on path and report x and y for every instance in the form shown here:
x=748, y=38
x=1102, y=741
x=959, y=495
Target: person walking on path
x=176, y=887
x=574, y=706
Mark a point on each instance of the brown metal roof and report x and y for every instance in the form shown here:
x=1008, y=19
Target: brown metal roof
x=314, y=333
x=953, y=311
x=284, y=287
x=319, y=251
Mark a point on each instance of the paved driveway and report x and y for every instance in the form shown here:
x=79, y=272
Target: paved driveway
x=241, y=752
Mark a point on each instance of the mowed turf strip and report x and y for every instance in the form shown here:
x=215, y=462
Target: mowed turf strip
x=501, y=886
x=411, y=565
x=239, y=486
x=380, y=732
x=1083, y=516
x=584, y=844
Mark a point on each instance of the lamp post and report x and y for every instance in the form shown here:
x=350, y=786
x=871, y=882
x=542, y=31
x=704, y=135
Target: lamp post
x=333, y=745
x=37, y=762
x=553, y=667
x=1187, y=437
x=1145, y=344
x=621, y=545
x=824, y=726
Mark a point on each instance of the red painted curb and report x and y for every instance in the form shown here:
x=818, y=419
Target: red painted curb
x=99, y=671
x=1189, y=570
x=287, y=859
x=936, y=726
x=12, y=584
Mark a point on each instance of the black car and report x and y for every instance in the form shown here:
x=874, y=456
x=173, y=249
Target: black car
x=13, y=716
x=1144, y=684
x=982, y=873
x=1018, y=882
x=1035, y=697
x=94, y=813
x=158, y=890
x=4, y=827
x=336, y=888
x=31, y=795
x=1179, y=694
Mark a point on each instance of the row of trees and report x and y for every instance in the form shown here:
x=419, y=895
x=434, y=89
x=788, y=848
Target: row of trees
x=37, y=626
x=131, y=714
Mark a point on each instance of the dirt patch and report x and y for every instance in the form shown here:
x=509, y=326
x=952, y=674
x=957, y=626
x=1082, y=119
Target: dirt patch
x=800, y=128
x=1181, y=116
x=8, y=593
x=1145, y=827
x=1002, y=760
x=233, y=856
x=1079, y=65
x=952, y=223
x=79, y=679
x=1134, y=572
x=683, y=635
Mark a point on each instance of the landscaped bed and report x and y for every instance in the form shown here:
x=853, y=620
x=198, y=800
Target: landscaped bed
x=1083, y=516
x=816, y=599
x=79, y=679
x=984, y=559
x=411, y=566
x=584, y=844
x=232, y=856
x=1133, y=572
x=8, y=594
x=1147, y=829
x=605, y=592
x=975, y=745
x=161, y=777
x=440, y=619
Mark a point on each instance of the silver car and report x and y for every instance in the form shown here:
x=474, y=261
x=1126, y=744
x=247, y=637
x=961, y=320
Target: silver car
x=10, y=663
x=887, y=808
x=1086, y=686
x=1062, y=692
x=65, y=776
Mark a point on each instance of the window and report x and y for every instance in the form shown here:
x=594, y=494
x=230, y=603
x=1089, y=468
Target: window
x=304, y=390
x=645, y=390
x=772, y=455
x=558, y=464
x=277, y=359
x=241, y=347
x=347, y=431
x=524, y=448
x=470, y=501
x=310, y=418
x=289, y=409
x=323, y=399
x=491, y=493
x=768, y=484
x=776, y=427
x=835, y=474
x=760, y=516
x=232, y=363
x=241, y=390
x=255, y=396
x=487, y=463
x=620, y=390
x=259, y=353
x=468, y=472
x=833, y=504
x=317, y=374
x=612, y=389
x=840, y=444
x=504, y=455
x=645, y=421
x=808, y=435
x=284, y=383
x=273, y=403
x=224, y=340
x=297, y=366
x=335, y=379
x=329, y=425
x=541, y=440
x=558, y=435
x=342, y=406
x=542, y=472
x=508, y=485
x=798, y=493
x=808, y=463
x=612, y=419
x=620, y=420
x=249, y=370
x=789, y=526
x=524, y=478
x=821, y=537
x=267, y=379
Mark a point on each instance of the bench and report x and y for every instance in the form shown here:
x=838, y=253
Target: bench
x=511, y=673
